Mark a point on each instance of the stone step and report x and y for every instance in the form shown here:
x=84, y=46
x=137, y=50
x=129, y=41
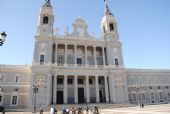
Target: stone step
x=100, y=106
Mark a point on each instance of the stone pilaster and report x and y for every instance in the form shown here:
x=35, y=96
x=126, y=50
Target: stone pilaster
x=97, y=89
x=75, y=54
x=95, y=61
x=56, y=51
x=86, y=63
x=54, y=90
x=75, y=90
x=87, y=89
x=49, y=84
x=65, y=63
x=104, y=62
x=106, y=89
x=65, y=89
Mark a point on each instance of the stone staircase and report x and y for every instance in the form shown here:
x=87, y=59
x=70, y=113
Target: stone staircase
x=100, y=106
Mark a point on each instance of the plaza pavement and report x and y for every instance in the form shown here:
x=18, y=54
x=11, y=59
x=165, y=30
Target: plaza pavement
x=149, y=109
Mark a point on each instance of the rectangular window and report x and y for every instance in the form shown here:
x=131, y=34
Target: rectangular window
x=61, y=61
x=17, y=77
x=167, y=87
x=15, y=89
x=90, y=81
x=152, y=96
x=150, y=88
x=134, y=97
x=2, y=78
x=100, y=81
x=79, y=61
x=116, y=62
x=111, y=26
x=160, y=96
x=14, y=100
x=143, y=96
x=70, y=81
x=42, y=58
x=80, y=81
x=60, y=81
x=131, y=80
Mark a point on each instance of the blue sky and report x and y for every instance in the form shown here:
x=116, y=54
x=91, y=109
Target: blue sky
x=143, y=25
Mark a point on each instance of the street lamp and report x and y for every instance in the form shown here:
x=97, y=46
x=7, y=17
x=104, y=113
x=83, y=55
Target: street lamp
x=2, y=38
x=35, y=88
x=137, y=92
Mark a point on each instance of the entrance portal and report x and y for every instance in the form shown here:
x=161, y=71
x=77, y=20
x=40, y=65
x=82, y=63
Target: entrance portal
x=101, y=96
x=60, y=99
x=80, y=95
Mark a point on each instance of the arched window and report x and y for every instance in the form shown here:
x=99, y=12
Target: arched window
x=111, y=25
x=116, y=61
x=53, y=53
x=104, y=29
x=45, y=20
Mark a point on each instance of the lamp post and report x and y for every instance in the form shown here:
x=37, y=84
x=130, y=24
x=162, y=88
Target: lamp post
x=35, y=88
x=2, y=38
x=137, y=92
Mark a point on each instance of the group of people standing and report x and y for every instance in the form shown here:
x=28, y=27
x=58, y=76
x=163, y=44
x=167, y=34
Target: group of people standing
x=78, y=110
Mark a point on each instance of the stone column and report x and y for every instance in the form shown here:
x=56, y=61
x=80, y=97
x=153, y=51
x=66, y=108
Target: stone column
x=56, y=50
x=86, y=62
x=65, y=89
x=75, y=90
x=49, y=82
x=55, y=90
x=95, y=61
x=87, y=89
x=49, y=60
x=75, y=54
x=97, y=89
x=106, y=89
x=65, y=55
x=104, y=62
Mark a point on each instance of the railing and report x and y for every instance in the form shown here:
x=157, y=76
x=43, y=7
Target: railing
x=70, y=100
x=92, y=99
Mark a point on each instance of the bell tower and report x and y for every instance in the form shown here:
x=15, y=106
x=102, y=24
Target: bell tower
x=43, y=37
x=109, y=25
x=46, y=20
x=110, y=35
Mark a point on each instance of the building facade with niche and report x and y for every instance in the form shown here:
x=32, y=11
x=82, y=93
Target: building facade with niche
x=79, y=68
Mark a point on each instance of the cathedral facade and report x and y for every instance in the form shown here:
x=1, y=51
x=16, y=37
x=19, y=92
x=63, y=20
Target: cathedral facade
x=79, y=68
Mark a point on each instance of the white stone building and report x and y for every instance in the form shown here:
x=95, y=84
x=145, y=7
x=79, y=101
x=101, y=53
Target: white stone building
x=79, y=68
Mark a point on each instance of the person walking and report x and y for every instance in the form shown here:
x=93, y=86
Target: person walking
x=87, y=109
